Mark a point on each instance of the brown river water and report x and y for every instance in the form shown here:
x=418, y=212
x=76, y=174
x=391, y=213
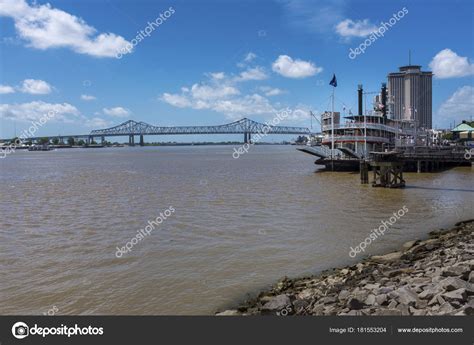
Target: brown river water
x=238, y=226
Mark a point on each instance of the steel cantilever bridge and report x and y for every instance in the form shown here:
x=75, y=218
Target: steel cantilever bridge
x=132, y=128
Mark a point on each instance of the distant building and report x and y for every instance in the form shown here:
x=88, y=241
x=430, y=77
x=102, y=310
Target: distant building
x=463, y=132
x=410, y=95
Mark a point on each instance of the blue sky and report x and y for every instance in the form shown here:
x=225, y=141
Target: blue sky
x=212, y=62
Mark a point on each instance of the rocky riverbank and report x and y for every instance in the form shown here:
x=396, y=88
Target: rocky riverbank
x=430, y=277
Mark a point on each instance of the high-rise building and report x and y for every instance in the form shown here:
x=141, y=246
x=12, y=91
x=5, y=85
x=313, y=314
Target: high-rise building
x=410, y=95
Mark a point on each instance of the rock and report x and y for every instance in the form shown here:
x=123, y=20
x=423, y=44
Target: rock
x=456, y=271
x=409, y=244
x=230, y=312
x=417, y=312
x=344, y=271
x=318, y=309
x=398, y=271
x=370, y=300
x=471, y=277
x=384, y=290
x=361, y=295
x=429, y=291
x=440, y=299
x=328, y=300
x=389, y=312
x=371, y=286
x=343, y=295
x=445, y=308
x=300, y=304
x=382, y=259
x=355, y=304
x=277, y=303
x=453, y=283
x=392, y=304
x=406, y=296
x=381, y=299
x=459, y=295
x=403, y=309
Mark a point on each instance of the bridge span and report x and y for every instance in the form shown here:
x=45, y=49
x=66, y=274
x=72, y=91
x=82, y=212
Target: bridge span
x=133, y=128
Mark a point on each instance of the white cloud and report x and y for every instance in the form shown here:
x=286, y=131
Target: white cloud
x=290, y=68
x=221, y=97
x=269, y=91
x=448, y=64
x=116, y=111
x=249, y=57
x=176, y=100
x=44, y=27
x=4, y=89
x=256, y=73
x=218, y=75
x=35, y=87
x=88, y=97
x=33, y=111
x=350, y=28
x=96, y=122
x=207, y=92
x=459, y=106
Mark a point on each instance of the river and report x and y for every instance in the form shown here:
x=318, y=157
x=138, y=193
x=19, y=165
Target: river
x=238, y=226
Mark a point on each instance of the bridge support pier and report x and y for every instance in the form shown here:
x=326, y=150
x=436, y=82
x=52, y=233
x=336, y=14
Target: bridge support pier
x=131, y=140
x=142, y=141
x=102, y=140
x=246, y=138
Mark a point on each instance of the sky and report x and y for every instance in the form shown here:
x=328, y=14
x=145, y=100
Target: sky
x=95, y=64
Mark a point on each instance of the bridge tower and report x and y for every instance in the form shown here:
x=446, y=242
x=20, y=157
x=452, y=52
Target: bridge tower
x=131, y=140
x=142, y=141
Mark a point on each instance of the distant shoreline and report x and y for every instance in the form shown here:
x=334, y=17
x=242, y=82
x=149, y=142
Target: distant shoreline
x=425, y=277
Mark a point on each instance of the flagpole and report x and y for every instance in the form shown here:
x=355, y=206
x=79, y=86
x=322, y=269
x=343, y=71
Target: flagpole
x=332, y=123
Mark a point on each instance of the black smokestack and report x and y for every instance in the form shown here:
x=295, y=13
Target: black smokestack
x=360, y=92
x=384, y=99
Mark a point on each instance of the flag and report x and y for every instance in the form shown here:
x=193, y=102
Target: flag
x=333, y=81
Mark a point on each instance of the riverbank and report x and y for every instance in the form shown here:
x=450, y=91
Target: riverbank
x=429, y=277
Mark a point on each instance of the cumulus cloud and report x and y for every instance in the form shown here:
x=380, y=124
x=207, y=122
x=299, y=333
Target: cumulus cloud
x=448, y=64
x=270, y=91
x=218, y=75
x=44, y=27
x=256, y=73
x=116, y=111
x=350, y=28
x=249, y=57
x=290, y=68
x=35, y=87
x=33, y=111
x=4, y=89
x=88, y=97
x=220, y=95
x=96, y=122
x=459, y=106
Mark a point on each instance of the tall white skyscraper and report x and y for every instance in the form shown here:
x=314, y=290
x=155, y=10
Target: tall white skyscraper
x=410, y=95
